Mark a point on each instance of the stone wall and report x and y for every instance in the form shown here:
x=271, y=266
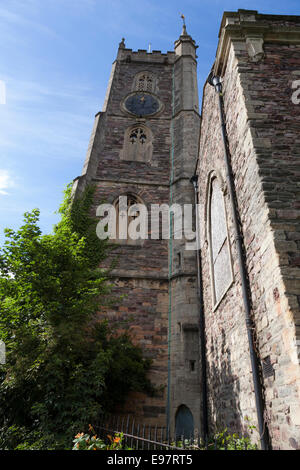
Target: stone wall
x=258, y=57
x=144, y=309
x=141, y=273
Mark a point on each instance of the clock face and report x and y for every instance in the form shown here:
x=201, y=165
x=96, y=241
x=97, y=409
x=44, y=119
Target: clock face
x=142, y=104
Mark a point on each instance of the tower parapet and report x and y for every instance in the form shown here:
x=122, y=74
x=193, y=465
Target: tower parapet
x=142, y=55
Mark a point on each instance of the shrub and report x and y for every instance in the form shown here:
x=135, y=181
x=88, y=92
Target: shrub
x=64, y=366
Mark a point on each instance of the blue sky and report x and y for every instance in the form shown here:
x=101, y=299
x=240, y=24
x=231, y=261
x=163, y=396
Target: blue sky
x=55, y=61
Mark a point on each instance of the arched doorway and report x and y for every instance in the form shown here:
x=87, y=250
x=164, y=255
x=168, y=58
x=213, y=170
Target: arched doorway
x=184, y=422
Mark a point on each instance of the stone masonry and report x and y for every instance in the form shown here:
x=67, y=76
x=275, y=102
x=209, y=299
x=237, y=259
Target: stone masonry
x=258, y=58
x=158, y=291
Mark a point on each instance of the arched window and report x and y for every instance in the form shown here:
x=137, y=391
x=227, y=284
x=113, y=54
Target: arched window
x=137, y=144
x=144, y=81
x=138, y=136
x=221, y=268
x=130, y=208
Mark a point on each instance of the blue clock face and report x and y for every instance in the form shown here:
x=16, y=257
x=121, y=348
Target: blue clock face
x=142, y=104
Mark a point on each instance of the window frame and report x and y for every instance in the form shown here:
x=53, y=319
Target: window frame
x=137, y=79
x=216, y=302
x=128, y=241
x=148, y=144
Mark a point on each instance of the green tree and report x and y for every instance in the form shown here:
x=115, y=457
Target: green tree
x=63, y=365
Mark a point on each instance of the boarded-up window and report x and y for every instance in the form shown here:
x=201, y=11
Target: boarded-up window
x=124, y=217
x=137, y=145
x=219, y=245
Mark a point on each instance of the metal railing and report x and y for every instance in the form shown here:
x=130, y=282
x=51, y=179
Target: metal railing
x=145, y=437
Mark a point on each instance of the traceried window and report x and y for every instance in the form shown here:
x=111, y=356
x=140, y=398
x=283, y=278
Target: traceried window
x=145, y=82
x=138, y=136
x=124, y=217
x=137, y=144
x=221, y=268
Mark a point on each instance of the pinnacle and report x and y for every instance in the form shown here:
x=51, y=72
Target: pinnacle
x=183, y=32
x=122, y=44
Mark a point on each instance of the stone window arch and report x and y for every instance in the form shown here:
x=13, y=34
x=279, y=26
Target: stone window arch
x=219, y=247
x=123, y=205
x=144, y=81
x=137, y=144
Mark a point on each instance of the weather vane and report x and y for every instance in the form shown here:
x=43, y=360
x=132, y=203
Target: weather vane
x=184, y=26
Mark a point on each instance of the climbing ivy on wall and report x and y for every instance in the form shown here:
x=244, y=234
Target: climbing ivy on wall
x=63, y=365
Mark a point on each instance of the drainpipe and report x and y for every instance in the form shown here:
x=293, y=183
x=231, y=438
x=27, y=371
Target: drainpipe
x=204, y=414
x=263, y=431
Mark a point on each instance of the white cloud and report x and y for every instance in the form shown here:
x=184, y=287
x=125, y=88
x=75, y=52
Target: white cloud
x=15, y=19
x=66, y=123
x=6, y=181
x=25, y=91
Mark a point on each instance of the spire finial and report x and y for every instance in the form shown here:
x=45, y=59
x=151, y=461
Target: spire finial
x=183, y=33
x=122, y=44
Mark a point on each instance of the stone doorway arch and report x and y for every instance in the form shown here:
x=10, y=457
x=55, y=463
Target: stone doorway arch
x=184, y=422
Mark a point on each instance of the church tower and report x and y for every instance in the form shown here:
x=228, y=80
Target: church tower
x=144, y=147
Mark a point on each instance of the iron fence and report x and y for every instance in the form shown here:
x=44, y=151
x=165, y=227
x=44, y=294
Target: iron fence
x=145, y=437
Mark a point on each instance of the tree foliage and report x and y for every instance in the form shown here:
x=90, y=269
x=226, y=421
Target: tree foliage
x=63, y=366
